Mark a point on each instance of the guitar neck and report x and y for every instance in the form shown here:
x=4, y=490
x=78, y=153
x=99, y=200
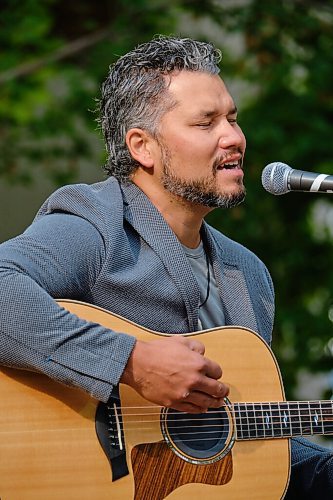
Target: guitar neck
x=282, y=419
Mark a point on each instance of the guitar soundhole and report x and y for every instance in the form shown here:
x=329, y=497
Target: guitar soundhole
x=199, y=439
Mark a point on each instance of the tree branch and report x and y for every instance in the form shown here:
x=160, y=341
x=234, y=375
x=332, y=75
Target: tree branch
x=65, y=51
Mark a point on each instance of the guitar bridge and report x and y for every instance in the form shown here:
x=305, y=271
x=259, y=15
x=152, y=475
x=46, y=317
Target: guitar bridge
x=110, y=433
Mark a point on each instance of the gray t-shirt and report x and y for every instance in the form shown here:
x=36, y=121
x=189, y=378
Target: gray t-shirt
x=211, y=311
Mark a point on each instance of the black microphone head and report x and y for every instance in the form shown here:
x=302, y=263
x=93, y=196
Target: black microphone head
x=274, y=178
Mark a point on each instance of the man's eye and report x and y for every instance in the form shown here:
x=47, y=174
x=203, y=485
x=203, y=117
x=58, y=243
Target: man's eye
x=204, y=124
x=232, y=120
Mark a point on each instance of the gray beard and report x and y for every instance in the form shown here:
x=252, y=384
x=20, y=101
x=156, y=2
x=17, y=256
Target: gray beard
x=201, y=191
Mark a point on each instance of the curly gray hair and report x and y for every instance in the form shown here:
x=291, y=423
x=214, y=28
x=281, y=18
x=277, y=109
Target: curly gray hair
x=135, y=92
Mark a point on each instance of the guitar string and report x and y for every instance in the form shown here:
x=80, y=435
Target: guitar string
x=210, y=417
x=261, y=433
x=251, y=421
x=256, y=419
x=262, y=421
x=257, y=438
x=237, y=424
x=264, y=433
x=248, y=413
x=275, y=424
x=310, y=402
x=264, y=407
x=274, y=418
x=250, y=427
x=276, y=429
x=243, y=434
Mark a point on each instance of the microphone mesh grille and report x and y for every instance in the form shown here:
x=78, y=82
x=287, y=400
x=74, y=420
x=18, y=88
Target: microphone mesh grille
x=274, y=178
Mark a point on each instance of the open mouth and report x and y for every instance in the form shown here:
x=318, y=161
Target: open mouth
x=229, y=165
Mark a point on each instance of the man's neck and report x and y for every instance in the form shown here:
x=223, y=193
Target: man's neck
x=184, y=218
x=186, y=227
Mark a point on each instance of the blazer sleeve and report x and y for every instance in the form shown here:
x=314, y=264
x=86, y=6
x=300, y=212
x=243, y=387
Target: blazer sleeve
x=58, y=256
x=311, y=471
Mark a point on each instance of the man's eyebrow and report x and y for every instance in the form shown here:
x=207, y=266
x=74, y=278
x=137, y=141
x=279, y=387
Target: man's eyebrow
x=206, y=113
x=213, y=112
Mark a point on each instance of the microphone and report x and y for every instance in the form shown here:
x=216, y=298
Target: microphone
x=278, y=178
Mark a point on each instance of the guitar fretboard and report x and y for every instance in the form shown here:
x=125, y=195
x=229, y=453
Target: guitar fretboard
x=282, y=419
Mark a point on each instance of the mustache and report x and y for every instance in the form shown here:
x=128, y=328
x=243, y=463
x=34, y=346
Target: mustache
x=227, y=155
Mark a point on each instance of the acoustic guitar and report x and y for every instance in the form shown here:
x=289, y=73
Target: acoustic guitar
x=58, y=443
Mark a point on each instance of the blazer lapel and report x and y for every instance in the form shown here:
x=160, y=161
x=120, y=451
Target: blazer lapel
x=149, y=223
x=234, y=291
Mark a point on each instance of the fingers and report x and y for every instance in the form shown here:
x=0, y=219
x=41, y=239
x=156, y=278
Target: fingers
x=207, y=393
x=190, y=404
x=211, y=368
x=191, y=343
x=197, y=402
x=189, y=408
x=213, y=388
x=203, y=401
x=202, y=393
x=197, y=346
x=202, y=388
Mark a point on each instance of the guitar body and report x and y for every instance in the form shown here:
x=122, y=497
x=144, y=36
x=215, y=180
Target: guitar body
x=49, y=448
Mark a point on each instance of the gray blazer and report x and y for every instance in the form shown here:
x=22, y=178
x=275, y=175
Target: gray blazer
x=108, y=245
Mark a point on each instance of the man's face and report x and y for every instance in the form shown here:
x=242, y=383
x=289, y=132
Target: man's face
x=201, y=145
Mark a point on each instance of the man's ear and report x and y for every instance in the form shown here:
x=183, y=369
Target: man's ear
x=139, y=143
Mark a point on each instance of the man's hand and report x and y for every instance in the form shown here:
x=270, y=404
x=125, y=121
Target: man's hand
x=173, y=372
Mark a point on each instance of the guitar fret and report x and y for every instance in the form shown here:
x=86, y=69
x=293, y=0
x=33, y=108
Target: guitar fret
x=252, y=421
x=285, y=419
x=316, y=416
x=310, y=418
x=269, y=431
x=299, y=418
x=260, y=428
x=294, y=419
x=238, y=427
x=305, y=418
x=244, y=421
x=322, y=419
x=263, y=420
x=276, y=420
x=327, y=417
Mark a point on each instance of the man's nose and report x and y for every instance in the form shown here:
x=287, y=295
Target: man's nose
x=231, y=136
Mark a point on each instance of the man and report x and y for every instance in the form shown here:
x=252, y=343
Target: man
x=136, y=244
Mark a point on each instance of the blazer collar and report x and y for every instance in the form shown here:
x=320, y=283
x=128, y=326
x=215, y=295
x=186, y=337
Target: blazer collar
x=152, y=227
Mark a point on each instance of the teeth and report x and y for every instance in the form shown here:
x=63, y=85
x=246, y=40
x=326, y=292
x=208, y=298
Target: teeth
x=231, y=164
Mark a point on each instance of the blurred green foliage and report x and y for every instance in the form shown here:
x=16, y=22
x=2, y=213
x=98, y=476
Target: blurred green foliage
x=55, y=55
x=288, y=62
